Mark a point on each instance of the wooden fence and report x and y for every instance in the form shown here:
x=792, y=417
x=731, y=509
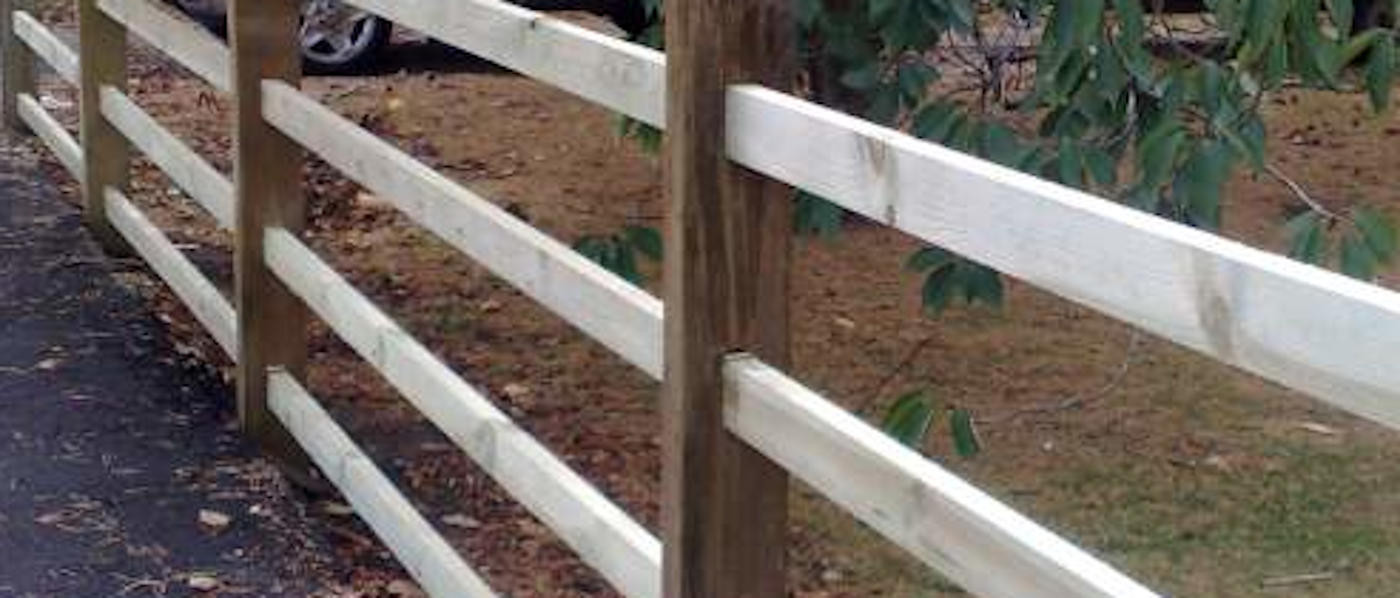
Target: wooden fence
x=735, y=426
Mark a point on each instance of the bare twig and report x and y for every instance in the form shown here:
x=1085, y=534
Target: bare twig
x=873, y=395
x=1079, y=400
x=1293, y=580
x=1299, y=192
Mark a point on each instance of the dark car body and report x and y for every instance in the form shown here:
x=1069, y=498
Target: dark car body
x=365, y=35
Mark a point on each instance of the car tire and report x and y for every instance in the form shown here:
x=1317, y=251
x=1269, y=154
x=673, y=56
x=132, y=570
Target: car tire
x=209, y=13
x=347, y=45
x=376, y=35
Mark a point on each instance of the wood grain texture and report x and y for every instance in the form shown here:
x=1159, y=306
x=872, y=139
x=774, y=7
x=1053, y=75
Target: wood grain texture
x=724, y=506
x=204, y=183
x=625, y=77
x=44, y=44
x=267, y=178
x=52, y=133
x=102, y=57
x=616, y=313
x=984, y=546
x=603, y=535
x=437, y=567
x=1306, y=328
x=179, y=273
x=17, y=70
x=181, y=39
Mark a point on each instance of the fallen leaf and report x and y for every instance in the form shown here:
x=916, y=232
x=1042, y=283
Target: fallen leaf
x=462, y=521
x=201, y=582
x=370, y=200
x=1218, y=462
x=403, y=588
x=214, y=520
x=515, y=390
x=1317, y=428
x=337, y=509
x=50, y=518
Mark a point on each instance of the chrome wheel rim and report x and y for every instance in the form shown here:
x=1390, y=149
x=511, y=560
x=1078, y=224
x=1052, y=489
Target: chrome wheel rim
x=333, y=33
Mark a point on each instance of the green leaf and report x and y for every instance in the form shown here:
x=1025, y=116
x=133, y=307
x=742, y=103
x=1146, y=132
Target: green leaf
x=1307, y=241
x=909, y=418
x=1157, y=152
x=937, y=121
x=1377, y=231
x=1102, y=166
x=646, y=240
x=1130, y=16
x=914, y=78
x=1341, y=12
x=939, y=288
x=814, y=215
x=928, y=258
x=964, y=431
x=1070, y=163
x=1357, y=260
x=1380, y=71
x=625, y=263
x=983, y=284
x=1198, y=184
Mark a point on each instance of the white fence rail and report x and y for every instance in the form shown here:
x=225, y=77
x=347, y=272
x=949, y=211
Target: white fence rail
x=47, y=46
x=604, y=536
x=196, y=177
x=193, y=47
x=52, y=133
x=625, y=77
x=429, y=558
x=1313, y=330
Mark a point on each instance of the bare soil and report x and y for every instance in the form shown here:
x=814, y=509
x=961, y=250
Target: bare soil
x=1193, y=477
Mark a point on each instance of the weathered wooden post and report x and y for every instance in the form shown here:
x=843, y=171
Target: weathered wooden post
x=728, y=238
x=267, y=173
x=106, y=153
x=18, y=74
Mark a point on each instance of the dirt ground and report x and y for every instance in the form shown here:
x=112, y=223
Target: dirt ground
x=1192, y=477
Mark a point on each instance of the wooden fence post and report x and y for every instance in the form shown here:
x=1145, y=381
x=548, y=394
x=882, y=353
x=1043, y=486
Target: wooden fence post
x=106, y=153
x=724, y=510
x=267, y=173
x=18, y=74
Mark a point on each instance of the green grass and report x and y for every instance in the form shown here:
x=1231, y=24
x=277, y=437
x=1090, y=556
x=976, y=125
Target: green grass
x=1204, y=486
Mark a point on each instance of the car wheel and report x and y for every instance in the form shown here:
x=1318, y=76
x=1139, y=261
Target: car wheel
x=209, y=13
x=336, y=38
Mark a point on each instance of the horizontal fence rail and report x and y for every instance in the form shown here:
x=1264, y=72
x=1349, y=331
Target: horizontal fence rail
x=613, y=73
x=429, y=558
x=47, y=46
x=984, y=546
x=619, y=315
x=196, y=177
x=1313, y=330
x=603, y=535
x=185, y=42
x=51, y=132
x=198, y=294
